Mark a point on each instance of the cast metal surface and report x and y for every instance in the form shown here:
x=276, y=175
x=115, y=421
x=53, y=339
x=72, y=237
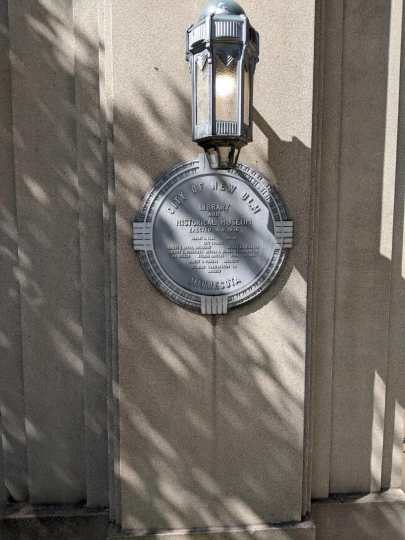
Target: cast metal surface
x=212, y=240
x=222, y=34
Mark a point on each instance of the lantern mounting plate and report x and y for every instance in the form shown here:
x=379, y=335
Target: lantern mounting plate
x=212, y=240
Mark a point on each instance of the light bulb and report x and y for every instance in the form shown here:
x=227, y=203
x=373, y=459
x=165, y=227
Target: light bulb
x=225, y=86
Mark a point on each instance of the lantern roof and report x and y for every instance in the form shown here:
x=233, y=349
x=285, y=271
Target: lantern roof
x=222, y=7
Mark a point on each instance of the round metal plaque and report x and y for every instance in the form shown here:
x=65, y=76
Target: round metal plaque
x=212, y=240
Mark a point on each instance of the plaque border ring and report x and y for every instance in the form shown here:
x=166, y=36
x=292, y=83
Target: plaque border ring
x=204, y=303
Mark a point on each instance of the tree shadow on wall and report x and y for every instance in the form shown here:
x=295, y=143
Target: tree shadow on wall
x=208, y=422
x=211, y=408
x=360, y=287
x=211, y=413
x=54, y=411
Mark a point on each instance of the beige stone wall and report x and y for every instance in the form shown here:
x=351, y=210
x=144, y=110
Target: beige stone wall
x=359, y=375
x=53, y=374
x=113, y=395
x=211, y=408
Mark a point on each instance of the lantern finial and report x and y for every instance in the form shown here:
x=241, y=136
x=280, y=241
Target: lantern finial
x=222, y=6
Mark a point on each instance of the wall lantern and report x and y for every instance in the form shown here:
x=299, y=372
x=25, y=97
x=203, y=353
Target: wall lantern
x=213, y=233
x=222, y=49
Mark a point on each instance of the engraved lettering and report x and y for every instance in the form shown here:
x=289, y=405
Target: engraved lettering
x=212, y=207
x=223, y=186
x=205, y=284
x=241, y=221
x=177, y=200
x=196, y=222
x=206, y=245
x=251, y=202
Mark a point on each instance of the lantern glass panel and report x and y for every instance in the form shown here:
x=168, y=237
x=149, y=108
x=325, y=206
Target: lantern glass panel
x=246, y=103
x=213, y=158
x=224, y=155
x=226, y=91
x=202, y=93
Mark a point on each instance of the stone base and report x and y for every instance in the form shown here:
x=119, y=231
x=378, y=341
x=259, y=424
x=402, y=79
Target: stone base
x=374, y=516
x=304, y=530
x=53, y=522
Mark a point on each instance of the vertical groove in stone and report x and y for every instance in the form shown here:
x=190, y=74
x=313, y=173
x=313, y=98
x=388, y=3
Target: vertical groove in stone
x=316, y=147
x=326, y=259
x=107, y=281
x=395, y=394
x=336, y=237
x=3, y=492
x=215, y=396
x=12, y=411
x=112, y=388
x=91, y=188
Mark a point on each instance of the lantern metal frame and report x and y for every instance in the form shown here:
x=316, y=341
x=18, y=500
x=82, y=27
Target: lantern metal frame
x=224, y=32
